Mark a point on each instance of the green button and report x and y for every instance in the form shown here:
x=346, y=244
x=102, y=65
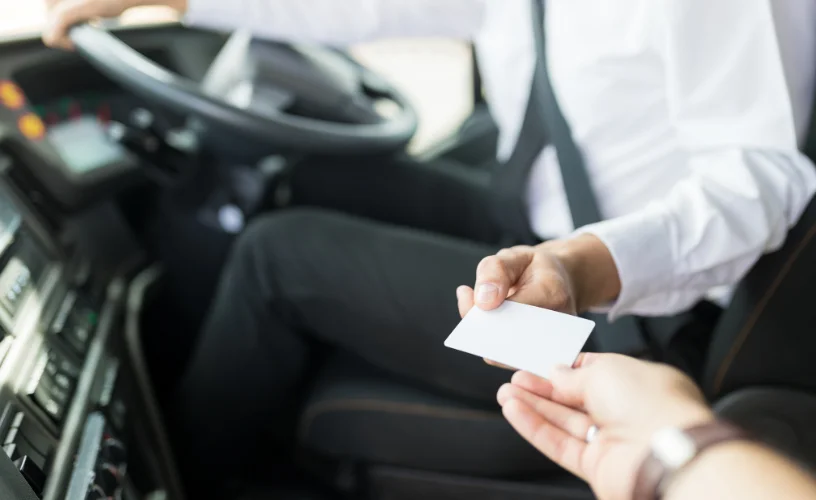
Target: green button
x=93, y=318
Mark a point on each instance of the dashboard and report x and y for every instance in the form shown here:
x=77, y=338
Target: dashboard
x=46, y=326
x=70, y=121
x=60, y=111
x=77, y=127
x=102, y=105
x=75, y=418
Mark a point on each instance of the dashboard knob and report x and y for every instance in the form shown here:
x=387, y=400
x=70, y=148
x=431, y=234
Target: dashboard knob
x=107, y=479
x=113, y=452
x=96, y=493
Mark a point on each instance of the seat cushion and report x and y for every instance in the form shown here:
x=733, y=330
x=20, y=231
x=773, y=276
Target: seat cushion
x=358, y=413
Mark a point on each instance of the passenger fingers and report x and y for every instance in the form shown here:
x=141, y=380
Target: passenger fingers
x=499, y=365
x=533, y=383
x=570, y=385
x=563, y=449
x=586, y=359
x=573, y=422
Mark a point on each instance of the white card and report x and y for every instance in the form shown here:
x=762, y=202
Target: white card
x=524, y=337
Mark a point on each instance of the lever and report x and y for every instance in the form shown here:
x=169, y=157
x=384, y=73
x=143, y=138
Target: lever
x=168, y=154
x=32, y=473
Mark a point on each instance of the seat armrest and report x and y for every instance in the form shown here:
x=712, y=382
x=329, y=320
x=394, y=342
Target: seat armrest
x=780, y=417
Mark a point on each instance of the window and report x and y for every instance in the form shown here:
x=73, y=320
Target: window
x=436, y=75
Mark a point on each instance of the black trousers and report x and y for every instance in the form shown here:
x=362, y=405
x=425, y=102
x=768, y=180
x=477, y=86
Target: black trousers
x=368, y=262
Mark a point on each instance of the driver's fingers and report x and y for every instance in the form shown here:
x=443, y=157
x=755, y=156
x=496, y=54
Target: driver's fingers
x=559, y=446
x=575, y=423
x=63, y=15
x=497, y=274
x=464, y=299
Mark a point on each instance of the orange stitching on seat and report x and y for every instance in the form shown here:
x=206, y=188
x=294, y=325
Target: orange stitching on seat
x=754, y=318
x=391, y=407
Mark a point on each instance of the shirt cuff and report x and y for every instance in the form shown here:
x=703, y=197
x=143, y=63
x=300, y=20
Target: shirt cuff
x=640, y=244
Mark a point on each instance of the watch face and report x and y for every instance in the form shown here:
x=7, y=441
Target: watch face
x=673, y=448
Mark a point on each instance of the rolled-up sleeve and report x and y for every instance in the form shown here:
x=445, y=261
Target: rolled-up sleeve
x=731, y=106
x=341, y=22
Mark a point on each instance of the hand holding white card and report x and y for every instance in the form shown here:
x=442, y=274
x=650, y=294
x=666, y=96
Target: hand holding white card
x=524, y=337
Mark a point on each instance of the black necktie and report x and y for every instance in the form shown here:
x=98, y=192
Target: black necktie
x=545, y=123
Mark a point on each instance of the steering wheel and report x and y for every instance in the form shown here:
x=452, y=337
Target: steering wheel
x=252, y=87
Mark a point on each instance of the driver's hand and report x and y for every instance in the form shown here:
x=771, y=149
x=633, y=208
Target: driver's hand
x=627, y=399
x=66, y=13
x=530, y=275
x=568, y=276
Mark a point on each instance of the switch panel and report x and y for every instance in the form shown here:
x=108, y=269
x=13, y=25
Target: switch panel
x=53, y=382
x=15, y=285
x=75, y=322
x=101, y=463
x=28, y=446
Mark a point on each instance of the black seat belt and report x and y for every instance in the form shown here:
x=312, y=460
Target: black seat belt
x=544, y=120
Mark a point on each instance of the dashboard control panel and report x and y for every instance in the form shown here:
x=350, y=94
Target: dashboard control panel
x=53, y=382
x=28, y=446
x=15, y=285
x=101, y=463
x=77, y=418
x=47, y=325
x=75, y=322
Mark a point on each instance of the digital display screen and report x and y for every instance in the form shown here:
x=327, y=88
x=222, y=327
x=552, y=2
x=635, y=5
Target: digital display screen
x=84, y=144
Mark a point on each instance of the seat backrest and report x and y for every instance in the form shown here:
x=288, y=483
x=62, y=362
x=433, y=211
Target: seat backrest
x=768, y=334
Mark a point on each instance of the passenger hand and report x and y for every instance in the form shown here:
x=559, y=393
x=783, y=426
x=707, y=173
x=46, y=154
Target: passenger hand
x=63, y=14
x=627, y=399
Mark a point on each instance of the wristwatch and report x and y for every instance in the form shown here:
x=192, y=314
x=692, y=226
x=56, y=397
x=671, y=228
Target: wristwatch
x=672, y=449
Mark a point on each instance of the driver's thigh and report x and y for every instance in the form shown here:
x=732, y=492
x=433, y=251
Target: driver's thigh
x=440, y=196
x=382, y=292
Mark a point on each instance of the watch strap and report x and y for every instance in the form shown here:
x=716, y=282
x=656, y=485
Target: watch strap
x=654, y=472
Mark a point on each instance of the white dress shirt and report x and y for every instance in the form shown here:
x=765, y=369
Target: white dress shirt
x=689, y=114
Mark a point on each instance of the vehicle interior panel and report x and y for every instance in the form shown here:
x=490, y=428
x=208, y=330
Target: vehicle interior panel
x=117, y=210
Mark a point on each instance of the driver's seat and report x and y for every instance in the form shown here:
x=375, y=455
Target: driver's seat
x=402, y=441
x=358, y=411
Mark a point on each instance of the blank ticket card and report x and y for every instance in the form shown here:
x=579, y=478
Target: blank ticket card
x=523, y=337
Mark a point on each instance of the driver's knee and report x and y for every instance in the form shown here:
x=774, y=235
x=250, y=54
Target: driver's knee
x=284, y=233
x=281, y=247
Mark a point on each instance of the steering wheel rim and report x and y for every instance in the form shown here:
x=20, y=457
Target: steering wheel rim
x=137, y=73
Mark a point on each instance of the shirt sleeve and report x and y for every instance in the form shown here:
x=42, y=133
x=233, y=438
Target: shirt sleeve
x=730, y=104
x=341, y=22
